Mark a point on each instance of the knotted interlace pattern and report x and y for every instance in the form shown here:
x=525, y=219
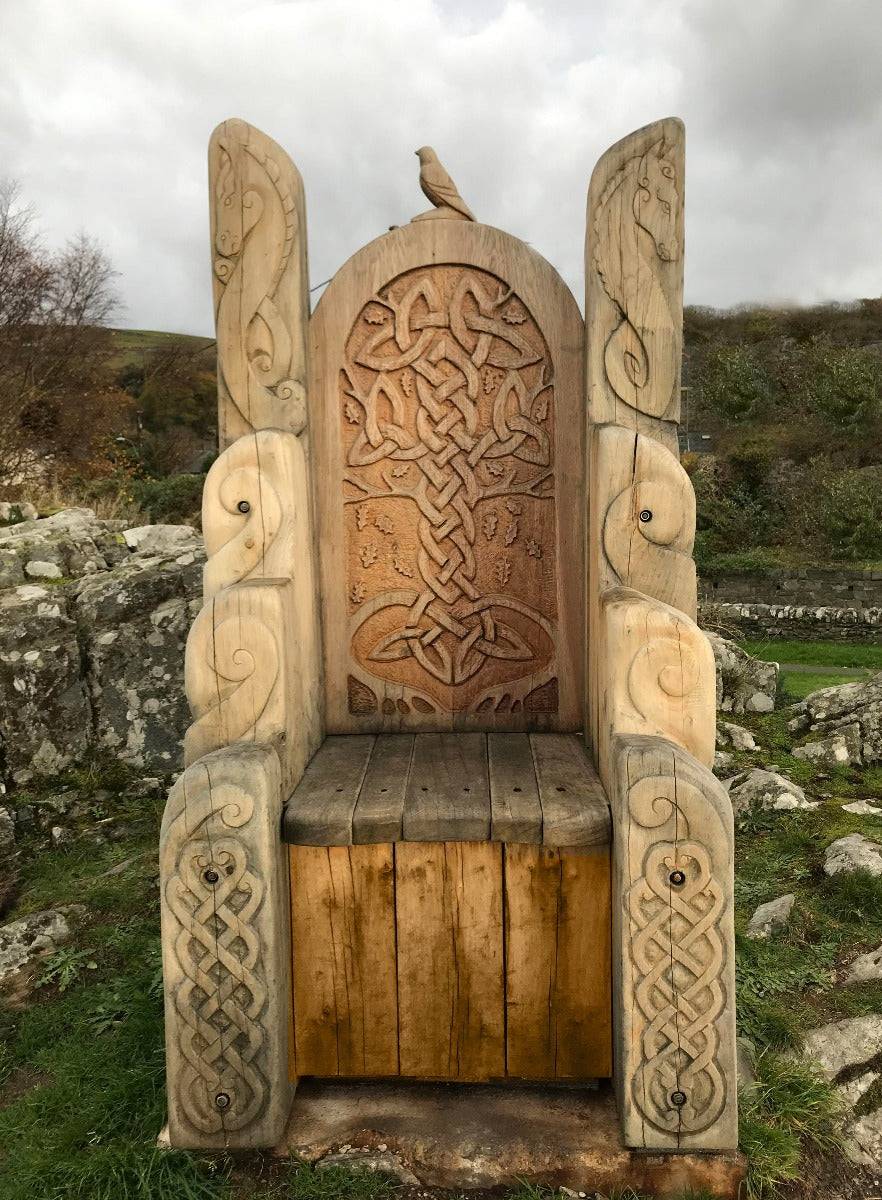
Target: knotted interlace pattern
x=215, y=895
x=446, y=399
x=675, y=909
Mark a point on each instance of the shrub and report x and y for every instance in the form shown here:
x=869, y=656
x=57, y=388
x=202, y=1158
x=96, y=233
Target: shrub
x=174, y=500
x=850, y=510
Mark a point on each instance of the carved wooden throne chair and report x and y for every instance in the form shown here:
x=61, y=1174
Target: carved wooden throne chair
x=448, y=811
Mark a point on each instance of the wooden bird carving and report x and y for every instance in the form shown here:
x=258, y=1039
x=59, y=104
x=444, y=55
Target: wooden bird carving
x=440, y=189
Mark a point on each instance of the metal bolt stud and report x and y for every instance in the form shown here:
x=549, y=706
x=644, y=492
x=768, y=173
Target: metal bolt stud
x=677, y=878
x=645, y=515
x=678, y=1099
x=243, y=506
x=210, y=875
x=222, y=1101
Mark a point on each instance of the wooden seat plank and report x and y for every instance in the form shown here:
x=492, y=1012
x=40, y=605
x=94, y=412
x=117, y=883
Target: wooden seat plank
x=379, y=812
x=320, y=810
x=448, y=794
x=515, y=811
x=575, y=811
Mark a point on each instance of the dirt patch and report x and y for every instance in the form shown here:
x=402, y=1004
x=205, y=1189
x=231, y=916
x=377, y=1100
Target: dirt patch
x=19, y=1082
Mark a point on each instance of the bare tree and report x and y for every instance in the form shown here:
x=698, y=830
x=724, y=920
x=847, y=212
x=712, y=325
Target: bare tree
x=54, y=344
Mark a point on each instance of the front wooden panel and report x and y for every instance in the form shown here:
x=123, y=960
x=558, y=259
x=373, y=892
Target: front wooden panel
x=446, y=367
x=451, y=960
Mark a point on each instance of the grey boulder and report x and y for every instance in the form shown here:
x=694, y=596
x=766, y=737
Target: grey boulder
x=853, y=853
x=837, y=749
x=770, y=917
x=744, y=683
x=765, y=790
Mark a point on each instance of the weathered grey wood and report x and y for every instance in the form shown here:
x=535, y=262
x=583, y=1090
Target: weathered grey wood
x=379, y=813
x=448, y=796
x=574, y=806
x=517, y=788
x=320, y=810
x=515, y=811
x=226, y=952
x=673, y=949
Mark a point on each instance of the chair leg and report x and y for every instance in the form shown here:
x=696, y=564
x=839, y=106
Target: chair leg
x=226, y=952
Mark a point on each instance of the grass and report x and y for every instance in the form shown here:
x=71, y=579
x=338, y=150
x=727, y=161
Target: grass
x=796, y=685
x=133, y=345
x=789, y=1110
x=81, y=1066
x=830, y=654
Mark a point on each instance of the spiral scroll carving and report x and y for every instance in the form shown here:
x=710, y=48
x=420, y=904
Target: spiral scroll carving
x=649, y=523
x=254, y=511
x=231, y=673
x=637, y=234
x=660, y=673
x=256, y=227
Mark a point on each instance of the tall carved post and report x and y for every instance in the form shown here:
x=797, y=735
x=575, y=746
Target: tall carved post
x=253, y=674
x=651, y=694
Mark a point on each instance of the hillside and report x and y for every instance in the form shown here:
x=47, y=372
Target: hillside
x=790, y=400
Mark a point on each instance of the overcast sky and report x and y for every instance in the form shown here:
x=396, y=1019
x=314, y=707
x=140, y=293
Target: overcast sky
x=106, y=107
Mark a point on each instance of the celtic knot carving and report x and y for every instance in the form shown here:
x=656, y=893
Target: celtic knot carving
x=676, y=908
x=215, y=895
x=447, y=408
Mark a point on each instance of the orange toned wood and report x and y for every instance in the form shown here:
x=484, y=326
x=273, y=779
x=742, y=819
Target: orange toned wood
x=343, y=936
x=584, y=1016
x=557, y=940
x=446, y=364
x=450, y=959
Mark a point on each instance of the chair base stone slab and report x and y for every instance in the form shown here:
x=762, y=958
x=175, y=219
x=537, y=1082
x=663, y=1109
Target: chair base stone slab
x=467, y=1137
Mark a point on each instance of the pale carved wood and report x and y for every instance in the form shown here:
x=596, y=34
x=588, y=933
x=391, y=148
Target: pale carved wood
x=226, y=964
x=440, y=189
x=634, y=282
x=257, y=522
x=645, y=517
x=658, y=677
x=641, y=531
x=244, y=679
x=261, y=289
x=449, y=470
x=673, y=950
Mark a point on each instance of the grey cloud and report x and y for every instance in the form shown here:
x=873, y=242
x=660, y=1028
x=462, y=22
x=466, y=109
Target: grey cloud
x=106, y=109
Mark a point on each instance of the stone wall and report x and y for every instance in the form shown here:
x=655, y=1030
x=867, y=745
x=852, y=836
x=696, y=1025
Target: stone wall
x=807, y=587
x=795, y=622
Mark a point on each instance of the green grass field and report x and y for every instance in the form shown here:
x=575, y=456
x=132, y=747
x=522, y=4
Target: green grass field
x=859, y=660
x=828, y=654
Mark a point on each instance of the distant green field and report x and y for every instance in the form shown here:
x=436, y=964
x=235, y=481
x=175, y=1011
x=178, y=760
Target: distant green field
x=860, y=659
x=826, y=654
x=132, y=345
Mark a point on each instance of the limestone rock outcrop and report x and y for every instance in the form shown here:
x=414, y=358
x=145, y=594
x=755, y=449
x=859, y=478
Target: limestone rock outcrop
x=744, y=683
x=853, y=710
x=93, y=621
